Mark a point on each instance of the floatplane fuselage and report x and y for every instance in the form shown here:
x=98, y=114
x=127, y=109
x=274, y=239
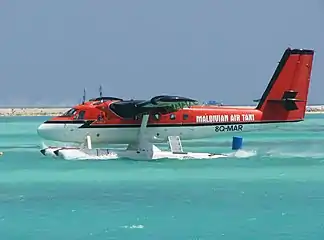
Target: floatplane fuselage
x=116, y=121
x=188, y=123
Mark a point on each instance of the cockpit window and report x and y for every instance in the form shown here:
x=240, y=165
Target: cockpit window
x=81, y=115
x=69, y=113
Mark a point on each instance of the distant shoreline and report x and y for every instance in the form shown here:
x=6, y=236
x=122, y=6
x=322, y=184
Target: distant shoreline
x=53, y=111
x=25, y=112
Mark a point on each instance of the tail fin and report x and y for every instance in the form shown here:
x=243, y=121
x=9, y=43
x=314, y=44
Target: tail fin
x=285, y=97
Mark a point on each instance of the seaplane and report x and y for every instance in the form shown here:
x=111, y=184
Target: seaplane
x=143, y=123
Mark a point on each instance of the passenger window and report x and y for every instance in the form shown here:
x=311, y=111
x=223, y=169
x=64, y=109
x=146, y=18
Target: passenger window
x=81, y=115
x=138, y=117
x=156, y=116
x=185, y=116
x=172, y=117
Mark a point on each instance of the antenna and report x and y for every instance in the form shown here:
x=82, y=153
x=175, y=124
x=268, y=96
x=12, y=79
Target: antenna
x=100, y=91
x=84, y=96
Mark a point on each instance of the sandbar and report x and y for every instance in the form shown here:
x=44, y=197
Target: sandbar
x=11, y=112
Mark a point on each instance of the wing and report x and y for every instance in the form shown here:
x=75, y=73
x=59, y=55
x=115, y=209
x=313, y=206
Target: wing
x=105, y=99
x=131, y=108
x=176, y=102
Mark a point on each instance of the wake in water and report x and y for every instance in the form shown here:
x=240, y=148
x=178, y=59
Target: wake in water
x=243, y=154
x=295, y=154
x=301, y=148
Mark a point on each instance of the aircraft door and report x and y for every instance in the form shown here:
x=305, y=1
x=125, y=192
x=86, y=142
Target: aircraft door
x=187, y=132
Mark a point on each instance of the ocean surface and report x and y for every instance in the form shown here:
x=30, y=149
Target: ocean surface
x=273, y=190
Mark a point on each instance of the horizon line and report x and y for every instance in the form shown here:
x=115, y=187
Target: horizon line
x=57, y=106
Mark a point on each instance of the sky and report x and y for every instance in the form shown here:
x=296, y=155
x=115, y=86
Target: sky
x=224, y=50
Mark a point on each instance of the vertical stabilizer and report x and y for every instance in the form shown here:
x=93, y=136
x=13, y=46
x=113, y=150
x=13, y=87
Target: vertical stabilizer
x=285, y=97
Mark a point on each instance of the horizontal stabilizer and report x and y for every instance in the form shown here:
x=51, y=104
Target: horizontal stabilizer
x=288, y=100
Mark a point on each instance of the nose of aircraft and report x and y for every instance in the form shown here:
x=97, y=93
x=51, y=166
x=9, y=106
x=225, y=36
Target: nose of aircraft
x=58, y=131
x=41, y=130
x=54, y=132
x=47, y=132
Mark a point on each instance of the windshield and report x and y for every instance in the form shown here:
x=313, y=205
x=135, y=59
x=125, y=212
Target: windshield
x=69, y=113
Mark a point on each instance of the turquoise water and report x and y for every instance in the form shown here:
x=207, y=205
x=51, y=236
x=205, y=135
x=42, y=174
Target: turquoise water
x=276, y=194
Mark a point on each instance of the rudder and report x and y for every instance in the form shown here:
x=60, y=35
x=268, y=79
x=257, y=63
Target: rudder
x=286, y=95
